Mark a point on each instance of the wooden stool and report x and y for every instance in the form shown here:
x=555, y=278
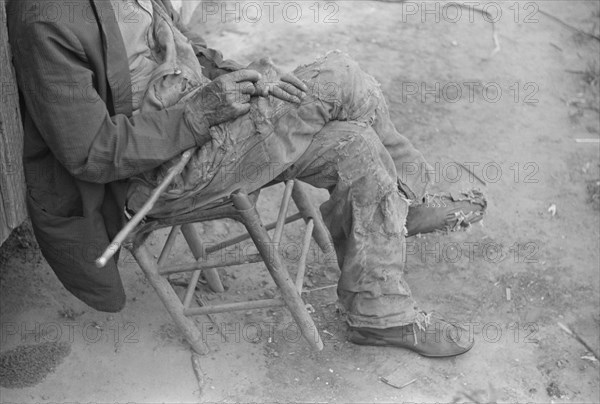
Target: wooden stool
x=242, y=208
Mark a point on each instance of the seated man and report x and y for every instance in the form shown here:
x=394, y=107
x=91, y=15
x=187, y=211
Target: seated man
x=109, y=101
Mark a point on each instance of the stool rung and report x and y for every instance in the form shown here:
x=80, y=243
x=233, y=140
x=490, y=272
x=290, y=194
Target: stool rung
x=223, y=308
x=199, y=266
x=244, y=237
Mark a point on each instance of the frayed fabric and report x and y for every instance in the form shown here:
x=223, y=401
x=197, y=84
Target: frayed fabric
x=446, y=212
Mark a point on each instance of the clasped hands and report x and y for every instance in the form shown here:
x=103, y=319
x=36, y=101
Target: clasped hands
x=228, y=96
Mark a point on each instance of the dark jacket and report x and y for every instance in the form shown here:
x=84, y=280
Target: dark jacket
x=81, y=141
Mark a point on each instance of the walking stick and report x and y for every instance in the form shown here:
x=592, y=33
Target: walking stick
x=139, y=216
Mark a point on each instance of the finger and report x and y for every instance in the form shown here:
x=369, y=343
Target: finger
x=295, y=81
x=262, y=89
x=241, y=109
x=277, y=92
x=247, y=88
x=290, y=89
x=246, y=75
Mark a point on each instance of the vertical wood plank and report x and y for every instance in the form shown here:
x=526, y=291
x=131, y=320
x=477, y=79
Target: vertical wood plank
x=12, y=180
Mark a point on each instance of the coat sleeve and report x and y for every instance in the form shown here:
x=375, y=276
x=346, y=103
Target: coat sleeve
x=58, y=88
x=211, y=60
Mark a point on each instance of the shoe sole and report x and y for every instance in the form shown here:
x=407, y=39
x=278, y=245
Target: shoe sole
x=359, y=339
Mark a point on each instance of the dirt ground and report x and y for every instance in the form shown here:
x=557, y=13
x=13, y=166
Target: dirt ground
x=515, y=118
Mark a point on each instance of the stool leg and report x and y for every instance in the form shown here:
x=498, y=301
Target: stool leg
x=280, y=275
x=170, y=299
x=212, y=276
x=164, y=254
x=306, y=208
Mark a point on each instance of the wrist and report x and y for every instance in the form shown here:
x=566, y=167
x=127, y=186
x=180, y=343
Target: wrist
x=197, y=122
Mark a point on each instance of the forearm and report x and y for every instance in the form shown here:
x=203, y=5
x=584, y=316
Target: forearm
x=123, y=147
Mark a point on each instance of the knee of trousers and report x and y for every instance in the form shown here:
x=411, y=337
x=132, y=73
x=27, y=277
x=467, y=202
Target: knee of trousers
x=341, y=62
x=365, y=166
x=340, y=79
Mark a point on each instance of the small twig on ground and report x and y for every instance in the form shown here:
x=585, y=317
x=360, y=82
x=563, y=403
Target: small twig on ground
x=496, y=41
x=568, y=26
x=578, y=338
x=556, y=46
x=386, y=381
x=181, y=283
x=475, y=400
x=472, y=173
x=319, y=288
x=587, y=140
x=575, y=71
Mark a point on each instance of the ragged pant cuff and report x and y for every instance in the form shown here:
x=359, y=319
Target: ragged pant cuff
x=379, y=312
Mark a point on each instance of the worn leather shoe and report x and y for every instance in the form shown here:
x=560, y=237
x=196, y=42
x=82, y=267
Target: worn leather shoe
x=433, y=337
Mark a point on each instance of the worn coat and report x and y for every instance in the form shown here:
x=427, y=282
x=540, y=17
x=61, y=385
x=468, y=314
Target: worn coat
x=81, y=140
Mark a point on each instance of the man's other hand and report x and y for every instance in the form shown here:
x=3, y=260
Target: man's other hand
x=289, y=88
x=285, y=86
x=222, y=100
x=226, y=97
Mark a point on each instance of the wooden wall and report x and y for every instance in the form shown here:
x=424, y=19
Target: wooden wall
x=12, y=181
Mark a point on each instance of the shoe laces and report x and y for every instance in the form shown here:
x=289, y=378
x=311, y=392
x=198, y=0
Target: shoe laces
x=422, y=321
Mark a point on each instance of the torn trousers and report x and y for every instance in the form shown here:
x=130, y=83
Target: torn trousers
x=341, y=139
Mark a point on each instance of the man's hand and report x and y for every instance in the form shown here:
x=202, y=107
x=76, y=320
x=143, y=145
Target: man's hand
x=287, y=87
x=222, y=100
x=225, y=98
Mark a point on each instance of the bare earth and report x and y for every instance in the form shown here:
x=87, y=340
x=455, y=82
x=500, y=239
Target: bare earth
x=513, y=119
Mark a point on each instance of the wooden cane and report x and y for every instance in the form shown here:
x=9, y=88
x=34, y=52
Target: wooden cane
x=139, y=216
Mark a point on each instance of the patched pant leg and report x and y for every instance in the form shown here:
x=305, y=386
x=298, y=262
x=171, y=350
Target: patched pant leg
x=366, y=215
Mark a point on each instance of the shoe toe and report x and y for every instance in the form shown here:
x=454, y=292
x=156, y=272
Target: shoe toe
x=450, y=340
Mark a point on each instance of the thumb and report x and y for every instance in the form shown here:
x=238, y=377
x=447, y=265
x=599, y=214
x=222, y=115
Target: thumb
x=245, y=75
x=241, y=109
